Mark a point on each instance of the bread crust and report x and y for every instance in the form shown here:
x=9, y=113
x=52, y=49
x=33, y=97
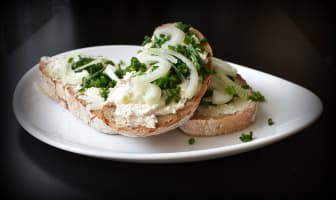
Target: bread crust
x=102, y=120
x=205, y=125
x=200, y=125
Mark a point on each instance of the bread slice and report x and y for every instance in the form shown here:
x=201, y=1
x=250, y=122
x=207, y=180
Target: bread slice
x=208, y=120
x=165, y=122
x=102, y=119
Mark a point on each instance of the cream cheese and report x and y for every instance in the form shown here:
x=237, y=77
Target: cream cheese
x=134, y=115
x=93, y=98
x=139, y=105
x=237, y=105
x=59, y=68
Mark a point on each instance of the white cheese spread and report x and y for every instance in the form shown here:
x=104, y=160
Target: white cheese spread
x=237, y=105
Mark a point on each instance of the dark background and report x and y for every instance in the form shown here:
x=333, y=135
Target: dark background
x=291, y=39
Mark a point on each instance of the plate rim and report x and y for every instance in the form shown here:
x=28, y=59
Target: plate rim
x=167, y=157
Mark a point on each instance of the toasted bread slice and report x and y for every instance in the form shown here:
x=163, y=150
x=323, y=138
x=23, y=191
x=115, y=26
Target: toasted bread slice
x=215, y=120
x=165, y=122
x=102, y=119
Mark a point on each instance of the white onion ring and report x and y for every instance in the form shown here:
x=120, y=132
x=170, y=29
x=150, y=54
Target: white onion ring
x=193, y=82
x=177, y=35
x=164, y=67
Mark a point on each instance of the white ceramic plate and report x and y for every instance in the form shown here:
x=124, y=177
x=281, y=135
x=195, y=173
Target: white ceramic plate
x=291, y=107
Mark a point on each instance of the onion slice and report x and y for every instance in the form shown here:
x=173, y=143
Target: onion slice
x=162, y=70
x=193, y=82
x=221, y=65
x=109, y=71
x=177, y=35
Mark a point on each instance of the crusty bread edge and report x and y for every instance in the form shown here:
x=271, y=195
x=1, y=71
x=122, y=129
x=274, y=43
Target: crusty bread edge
x=211, y=126
x=66, y=96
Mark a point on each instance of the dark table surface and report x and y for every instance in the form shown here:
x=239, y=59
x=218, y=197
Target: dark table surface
x=291, y=40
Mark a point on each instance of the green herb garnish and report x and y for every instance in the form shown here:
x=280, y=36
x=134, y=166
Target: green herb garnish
x=108, y=62
x=135, y=65
x=81, y=61
x=246, y=137
x=270, y=121
x=184, y=27
x=99, y=81
x=172, y=95
x=231, y=90
x=104, y=93
x=121, y=63
x=191, y=141
x=154, y=68
x=192, y=54
x=203, y=41
x=71, y=60
x=257, y=96
x=159, y=41
x=147, y=40
x=167, y=82
x=245, y=87
x=182, y=68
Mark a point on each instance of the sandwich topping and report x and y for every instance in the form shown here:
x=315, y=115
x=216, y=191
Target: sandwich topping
x=227, y=93
x=159, y=80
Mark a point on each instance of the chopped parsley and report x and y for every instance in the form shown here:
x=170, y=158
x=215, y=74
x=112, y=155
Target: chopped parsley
x=121, y=63
x=270, y=121
x=172, y=95
x=182, y=26
x=136, y=65
x=147, y=40
x=246, y=87
x=96, y=77
x=181, y=70
x=154, y=67
x=159, y=41
x=119, y=72
x=257, y=96
x=104, y=93
x=81, y=61
x=71, y=60
x=231, y=90
x=203, y=41
x=246, y=137
x=168, y=81
x=191, y=141
x=99, y=81
x=192, y=54
x=190, y=38
x=175, y=76
x=93, y=68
